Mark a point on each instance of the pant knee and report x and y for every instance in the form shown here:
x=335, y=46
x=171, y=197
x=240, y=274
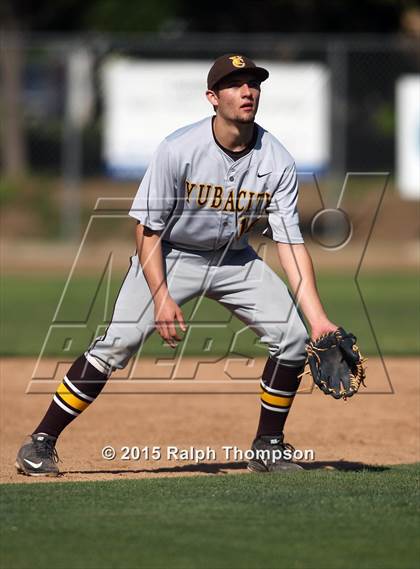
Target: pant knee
x=118, y=346
x=290, y=347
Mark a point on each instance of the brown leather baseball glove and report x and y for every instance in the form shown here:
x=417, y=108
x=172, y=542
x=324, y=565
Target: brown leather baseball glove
x=336, y=364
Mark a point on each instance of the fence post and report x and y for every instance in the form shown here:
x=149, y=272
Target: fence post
x=337, y=62
x=78, y=109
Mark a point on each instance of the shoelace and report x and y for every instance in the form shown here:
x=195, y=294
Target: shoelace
x=282, y=447
x=46, y=449
x=285, y=446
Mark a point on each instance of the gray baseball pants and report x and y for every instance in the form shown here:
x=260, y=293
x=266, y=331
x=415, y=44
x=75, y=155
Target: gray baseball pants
x=239, y=279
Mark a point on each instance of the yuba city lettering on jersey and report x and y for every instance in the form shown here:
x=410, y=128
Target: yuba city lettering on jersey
x=202, y=199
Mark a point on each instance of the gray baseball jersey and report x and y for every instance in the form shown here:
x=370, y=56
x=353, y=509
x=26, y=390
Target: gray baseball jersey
x=202, y=199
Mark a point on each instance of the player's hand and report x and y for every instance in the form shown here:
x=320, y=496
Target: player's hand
x=166, y=313
x=322, y=327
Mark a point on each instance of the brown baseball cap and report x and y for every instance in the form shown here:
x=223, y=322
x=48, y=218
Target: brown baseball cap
x=233, y=63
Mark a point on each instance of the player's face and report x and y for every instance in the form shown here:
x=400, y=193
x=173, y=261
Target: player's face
x=237, y=98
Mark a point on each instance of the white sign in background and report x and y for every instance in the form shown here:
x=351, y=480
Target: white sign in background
x=147, y=100
x=408, y=136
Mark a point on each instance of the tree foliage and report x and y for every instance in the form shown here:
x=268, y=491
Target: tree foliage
x=236, y=16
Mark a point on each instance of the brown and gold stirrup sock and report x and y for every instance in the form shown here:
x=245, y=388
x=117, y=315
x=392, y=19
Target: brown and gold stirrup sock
x=279, y=384
x=76, y=392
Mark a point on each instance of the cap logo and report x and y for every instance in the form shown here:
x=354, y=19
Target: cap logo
x=237, y=61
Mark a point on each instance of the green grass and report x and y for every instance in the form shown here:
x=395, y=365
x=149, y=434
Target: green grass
x=28, y=305
x=314, y=519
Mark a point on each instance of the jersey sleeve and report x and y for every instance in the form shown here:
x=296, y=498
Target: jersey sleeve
x=155, y=198
x=283, y=218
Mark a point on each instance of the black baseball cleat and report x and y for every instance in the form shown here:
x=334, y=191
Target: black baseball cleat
x=38, y=456
x=271, y=454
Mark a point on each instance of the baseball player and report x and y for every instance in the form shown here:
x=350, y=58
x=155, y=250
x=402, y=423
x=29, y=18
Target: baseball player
x=206, y=186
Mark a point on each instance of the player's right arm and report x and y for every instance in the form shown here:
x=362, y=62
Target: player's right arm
x=167, y=311
x=152, y=206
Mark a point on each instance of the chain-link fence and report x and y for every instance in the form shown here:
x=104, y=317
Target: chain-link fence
x=363, y=75
x=41, y=135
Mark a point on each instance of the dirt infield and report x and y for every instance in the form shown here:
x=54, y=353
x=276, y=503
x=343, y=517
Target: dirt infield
x=378, y=426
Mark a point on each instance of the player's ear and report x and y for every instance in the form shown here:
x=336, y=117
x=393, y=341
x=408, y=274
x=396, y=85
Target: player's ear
x=212, y=98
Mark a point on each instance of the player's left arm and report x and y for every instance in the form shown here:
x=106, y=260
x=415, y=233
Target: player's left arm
x=284, y=227
x=298, y=266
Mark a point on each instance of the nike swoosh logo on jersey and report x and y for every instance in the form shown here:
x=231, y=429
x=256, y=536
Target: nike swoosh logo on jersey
x=262, y=175
x=33, y=464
